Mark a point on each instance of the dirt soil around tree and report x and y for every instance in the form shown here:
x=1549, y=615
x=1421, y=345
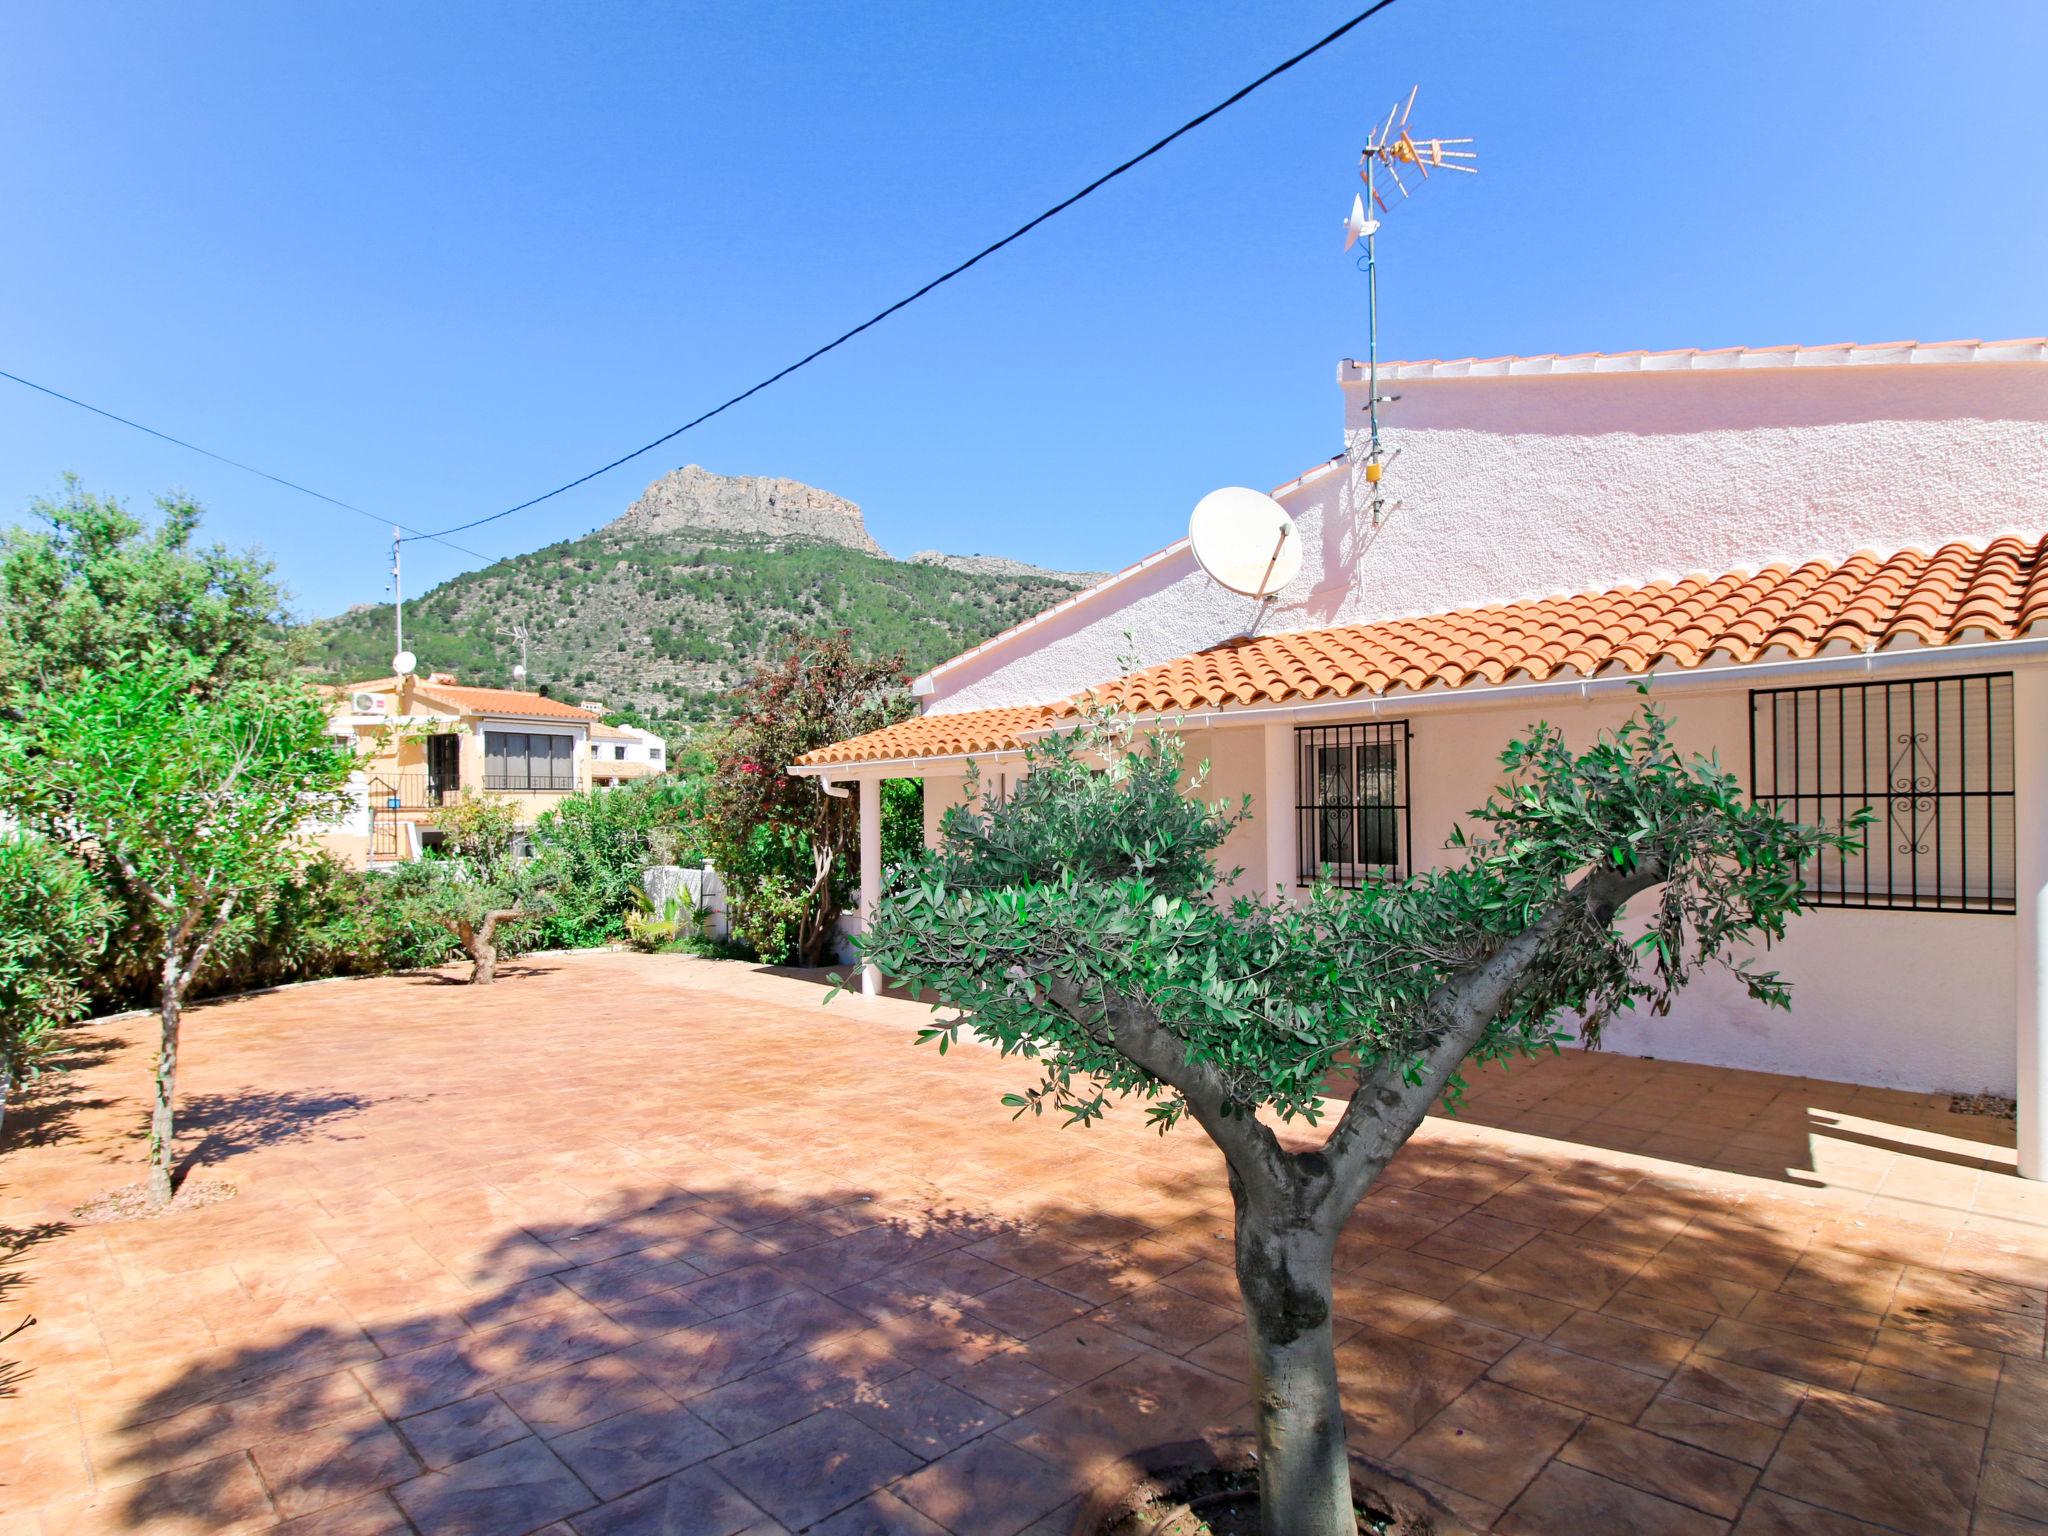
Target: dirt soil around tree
x=634, y=1243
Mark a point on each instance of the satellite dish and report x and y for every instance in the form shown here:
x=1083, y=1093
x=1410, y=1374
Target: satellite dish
x=1358, y=226
x=1245, y=541
x=404, y=663
x=519, y=672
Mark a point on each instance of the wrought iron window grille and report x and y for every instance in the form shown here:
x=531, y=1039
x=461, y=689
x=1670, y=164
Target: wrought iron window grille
x=1931, y=758
x=1352, y=816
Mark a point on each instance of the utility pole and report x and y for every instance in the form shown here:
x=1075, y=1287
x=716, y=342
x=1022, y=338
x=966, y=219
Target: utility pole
x=402, y=660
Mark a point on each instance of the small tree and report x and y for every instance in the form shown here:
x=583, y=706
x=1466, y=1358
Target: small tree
x=94, y=586
x=1075, y=923
x=781, y=843
x=53, y=923
x=480, y=887
x=190, y=800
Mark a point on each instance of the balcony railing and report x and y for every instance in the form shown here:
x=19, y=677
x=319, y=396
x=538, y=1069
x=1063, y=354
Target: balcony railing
x=410, y=789
x=560, y=775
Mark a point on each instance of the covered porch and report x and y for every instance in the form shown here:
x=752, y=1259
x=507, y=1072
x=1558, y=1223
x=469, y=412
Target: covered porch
x=1906, y=685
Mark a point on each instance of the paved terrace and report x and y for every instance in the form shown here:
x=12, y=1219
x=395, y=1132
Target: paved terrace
x=634, y=1245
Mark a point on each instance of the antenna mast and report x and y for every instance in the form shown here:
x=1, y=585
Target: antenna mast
x=1390, y=147
x=518, y=632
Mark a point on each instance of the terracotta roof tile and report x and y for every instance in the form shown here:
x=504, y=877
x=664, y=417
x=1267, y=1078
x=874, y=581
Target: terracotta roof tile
x=1866, y=601
x=1957, y=592
x=967, y=734
x=502, y=701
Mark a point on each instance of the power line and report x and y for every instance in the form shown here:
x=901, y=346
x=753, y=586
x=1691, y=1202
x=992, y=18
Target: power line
x=945, y=277
x=290, y=485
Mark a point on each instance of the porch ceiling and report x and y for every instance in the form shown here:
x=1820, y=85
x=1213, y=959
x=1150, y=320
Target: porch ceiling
x=1865, y=603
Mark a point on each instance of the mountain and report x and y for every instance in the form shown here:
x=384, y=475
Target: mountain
x=697, y=583
x=692, y=500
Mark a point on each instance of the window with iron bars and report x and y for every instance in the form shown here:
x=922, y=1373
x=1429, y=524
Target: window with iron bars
x=1932, y=759
x=1351, y=809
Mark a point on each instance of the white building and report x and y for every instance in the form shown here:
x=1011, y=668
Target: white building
x=1829, y=562
x=619, y=753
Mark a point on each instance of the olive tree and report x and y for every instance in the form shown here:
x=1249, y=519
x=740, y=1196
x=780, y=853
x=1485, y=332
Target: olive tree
x=190, y=801
x=480, y=887
x=1076, y=923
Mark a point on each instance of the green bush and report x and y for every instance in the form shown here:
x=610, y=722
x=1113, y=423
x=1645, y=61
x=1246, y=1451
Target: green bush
x=771, y=915
x=594, y=847
x=677, y=929
x=329, y=920
x=53, y=924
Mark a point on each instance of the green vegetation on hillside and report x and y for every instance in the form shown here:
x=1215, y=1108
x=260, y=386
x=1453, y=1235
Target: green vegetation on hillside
x=667, y=626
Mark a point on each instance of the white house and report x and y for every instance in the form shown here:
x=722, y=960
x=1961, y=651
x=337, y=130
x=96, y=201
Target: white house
x=1829, y=563
x=619, y=753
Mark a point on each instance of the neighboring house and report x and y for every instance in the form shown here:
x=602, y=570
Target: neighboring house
x=621, y=753
x=426, y=741
x=1828, y=563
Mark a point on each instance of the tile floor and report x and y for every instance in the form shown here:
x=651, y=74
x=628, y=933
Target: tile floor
x=631, y=1245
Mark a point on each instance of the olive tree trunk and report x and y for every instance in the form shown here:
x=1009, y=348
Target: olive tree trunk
x=1291, y=1206
x=480, y=943
x=1283, y=1269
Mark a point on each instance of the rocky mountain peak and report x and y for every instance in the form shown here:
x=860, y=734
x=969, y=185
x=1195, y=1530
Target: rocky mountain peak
x=760, y=506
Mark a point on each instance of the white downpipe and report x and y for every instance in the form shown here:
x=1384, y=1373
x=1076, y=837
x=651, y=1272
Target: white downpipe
x=2030, y=859
x=870, y=870
x=1276, y=808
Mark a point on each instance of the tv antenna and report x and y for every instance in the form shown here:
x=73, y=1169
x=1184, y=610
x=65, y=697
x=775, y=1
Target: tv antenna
x=1390, y=147
x=518, y=632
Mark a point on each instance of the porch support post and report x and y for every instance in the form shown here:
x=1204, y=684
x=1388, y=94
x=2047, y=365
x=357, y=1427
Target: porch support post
x=1275, y=808
x=870, y=870
x=2030, y=827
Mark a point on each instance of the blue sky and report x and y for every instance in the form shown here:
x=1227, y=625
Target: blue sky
x=435, y=259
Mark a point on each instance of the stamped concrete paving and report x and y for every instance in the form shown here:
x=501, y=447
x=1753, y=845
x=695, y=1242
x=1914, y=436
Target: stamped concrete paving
x=633, y=1245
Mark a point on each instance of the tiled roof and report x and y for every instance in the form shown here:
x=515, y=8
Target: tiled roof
x=502, y=701
x=1866, y=602
x=1863, y=603
x=967, y=734
x=1681, y=359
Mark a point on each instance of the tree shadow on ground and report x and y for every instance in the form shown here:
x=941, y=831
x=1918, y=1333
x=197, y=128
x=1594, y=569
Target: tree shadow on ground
x=508, y=970
x=15, y=1245
x=45, y=1111
x=229, y=1124
x=560, y=1364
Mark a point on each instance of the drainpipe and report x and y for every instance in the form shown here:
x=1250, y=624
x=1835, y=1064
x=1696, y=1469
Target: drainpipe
x=2030, y=858
x=1276, y=806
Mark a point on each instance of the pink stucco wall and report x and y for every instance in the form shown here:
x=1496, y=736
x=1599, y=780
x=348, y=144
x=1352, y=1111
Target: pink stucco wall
x=1526, y=484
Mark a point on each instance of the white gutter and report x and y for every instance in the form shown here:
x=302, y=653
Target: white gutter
x=854, y=772
x=1724, y=676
